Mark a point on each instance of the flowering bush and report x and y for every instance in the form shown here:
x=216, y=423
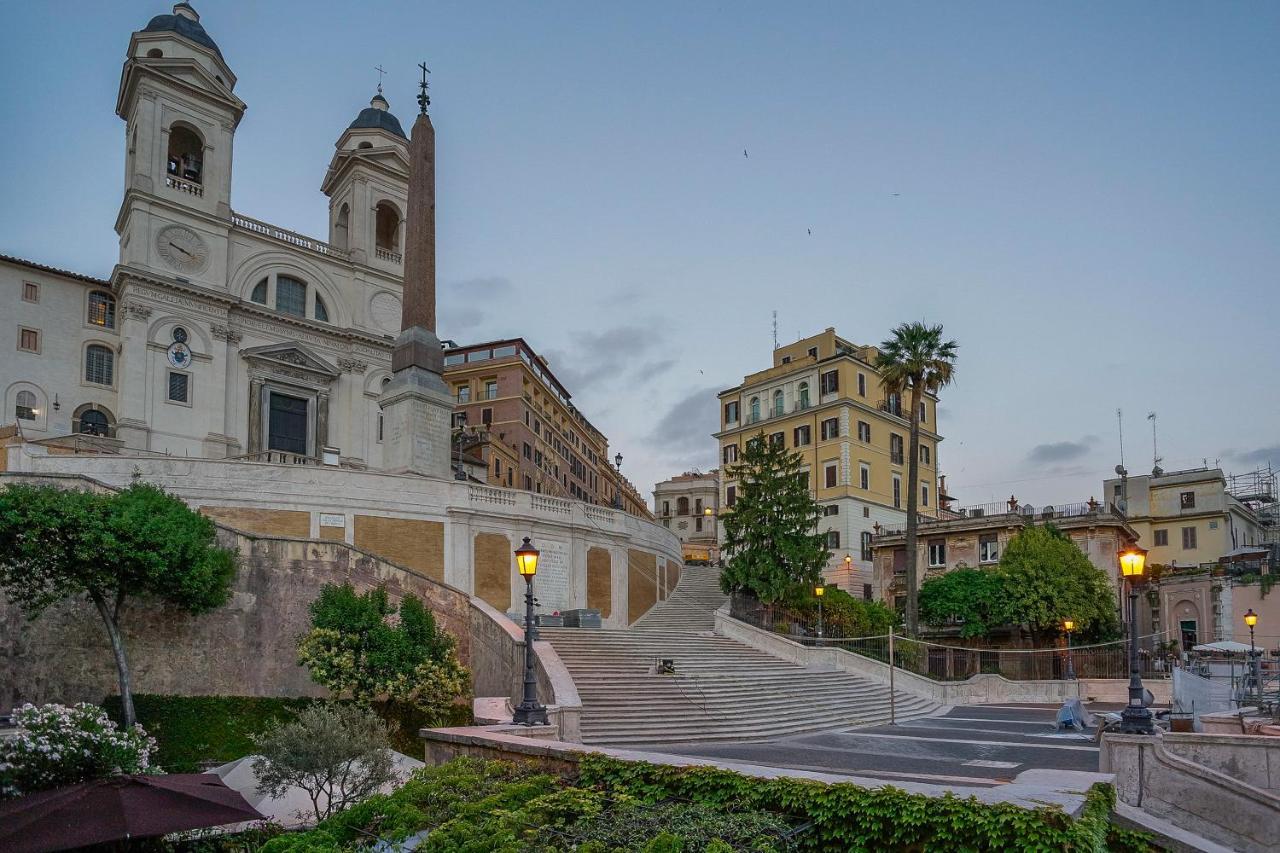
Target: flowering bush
x=58, y=745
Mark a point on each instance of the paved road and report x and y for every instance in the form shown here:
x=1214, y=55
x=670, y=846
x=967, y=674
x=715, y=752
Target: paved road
x=972, y=744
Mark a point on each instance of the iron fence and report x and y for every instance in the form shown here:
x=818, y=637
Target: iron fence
x=945, y=662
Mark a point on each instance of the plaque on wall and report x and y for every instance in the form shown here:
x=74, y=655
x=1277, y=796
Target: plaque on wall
x=551, y=585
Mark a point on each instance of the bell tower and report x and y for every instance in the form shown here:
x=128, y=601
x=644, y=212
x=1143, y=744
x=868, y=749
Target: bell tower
x=177, y=99
x=367, y=183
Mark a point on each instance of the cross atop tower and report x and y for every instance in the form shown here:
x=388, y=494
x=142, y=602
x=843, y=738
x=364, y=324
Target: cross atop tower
x=424, y=100
x=381, y=71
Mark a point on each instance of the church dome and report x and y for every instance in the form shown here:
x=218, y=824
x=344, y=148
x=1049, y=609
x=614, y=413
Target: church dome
x=184, y=21
x=377, y=116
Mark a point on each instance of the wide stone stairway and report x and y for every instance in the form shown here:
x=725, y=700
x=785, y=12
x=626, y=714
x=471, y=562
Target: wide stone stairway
x=721, y=690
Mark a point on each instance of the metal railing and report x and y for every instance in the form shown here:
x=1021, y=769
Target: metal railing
x=944, y=662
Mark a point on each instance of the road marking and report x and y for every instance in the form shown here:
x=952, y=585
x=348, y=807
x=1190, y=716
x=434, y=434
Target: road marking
x=999, y=765
x=977, y=742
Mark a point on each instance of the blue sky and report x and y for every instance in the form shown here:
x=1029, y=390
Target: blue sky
x=1085, y=195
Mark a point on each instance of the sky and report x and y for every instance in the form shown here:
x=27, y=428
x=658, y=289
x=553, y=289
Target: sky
x=1086, y=196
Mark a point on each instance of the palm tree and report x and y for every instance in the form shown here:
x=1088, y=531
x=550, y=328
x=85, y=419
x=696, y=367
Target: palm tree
x=915, y=357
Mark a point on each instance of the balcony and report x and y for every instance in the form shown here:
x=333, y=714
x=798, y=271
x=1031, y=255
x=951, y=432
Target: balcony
x=489, y=394
x=387, y=255
x=183, y=185
x=284, y=235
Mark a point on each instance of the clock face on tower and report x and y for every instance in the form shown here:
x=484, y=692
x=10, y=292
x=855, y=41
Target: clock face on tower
x=182, y=248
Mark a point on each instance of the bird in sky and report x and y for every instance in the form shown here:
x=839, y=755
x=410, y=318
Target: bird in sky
x=810, y=230
x=744, y=152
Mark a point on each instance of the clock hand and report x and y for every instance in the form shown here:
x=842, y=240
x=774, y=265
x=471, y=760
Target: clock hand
x=180, y=249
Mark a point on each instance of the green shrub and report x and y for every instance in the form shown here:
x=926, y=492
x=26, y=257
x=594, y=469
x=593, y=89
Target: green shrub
x=690, y=827
x=195, y=732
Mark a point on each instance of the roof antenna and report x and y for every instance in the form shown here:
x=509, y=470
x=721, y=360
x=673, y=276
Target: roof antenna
x=381, y=71
x=1120, y=422
x=775, y=329
x=1155, y=453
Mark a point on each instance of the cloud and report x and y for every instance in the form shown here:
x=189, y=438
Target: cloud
x=687, y=426
x=598, y=356
x=1258, y=456
x=1057, y=452
x=463, y=303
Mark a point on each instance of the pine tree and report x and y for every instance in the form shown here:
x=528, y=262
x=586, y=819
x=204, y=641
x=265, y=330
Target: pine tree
x=771, y=533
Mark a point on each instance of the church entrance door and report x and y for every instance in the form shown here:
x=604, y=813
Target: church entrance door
x=287, y=424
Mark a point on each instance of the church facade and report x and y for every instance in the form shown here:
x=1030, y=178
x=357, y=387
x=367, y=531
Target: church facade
x=218, y=335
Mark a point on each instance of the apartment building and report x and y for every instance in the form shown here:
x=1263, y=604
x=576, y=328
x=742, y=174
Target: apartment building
x=512, y=414
x=823, y=398
x=688, y=505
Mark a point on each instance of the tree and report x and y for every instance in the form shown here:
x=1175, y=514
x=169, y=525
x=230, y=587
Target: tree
x=338, y=753
x=771, y=533
x=974, y=597
x=56, y=745
x=916, y=358
x=355, y=649
x=57, y=544
x=1047, y=579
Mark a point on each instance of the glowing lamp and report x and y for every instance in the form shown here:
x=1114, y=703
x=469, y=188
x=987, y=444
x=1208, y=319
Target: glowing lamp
x=1069, y=624
x=527, y=559
x=1132, y=562
x=819, y=590
x=1250, y=618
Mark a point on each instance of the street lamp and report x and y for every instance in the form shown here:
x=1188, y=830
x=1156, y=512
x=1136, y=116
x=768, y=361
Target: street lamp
x=529, y=712
x=818, y=591
x=1069, y=625
x=1251, y=619
x=460, y=473
x=1136, y=718
x=617, y=492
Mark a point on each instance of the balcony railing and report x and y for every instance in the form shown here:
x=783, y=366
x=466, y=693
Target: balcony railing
x=387, y=255
x=896, y=458
x=284, y=235
x=182, y=185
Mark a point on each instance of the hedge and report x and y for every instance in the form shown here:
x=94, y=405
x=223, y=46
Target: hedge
x=197, y=732
x=612, y=805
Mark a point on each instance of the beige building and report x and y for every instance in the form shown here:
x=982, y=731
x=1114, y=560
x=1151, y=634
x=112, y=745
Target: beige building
x=975, y=537
x=689, y=506
x=822, y=397
x=1194, y=517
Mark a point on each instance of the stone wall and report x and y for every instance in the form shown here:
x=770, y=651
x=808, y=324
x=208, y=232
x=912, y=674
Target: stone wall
x=246, y=647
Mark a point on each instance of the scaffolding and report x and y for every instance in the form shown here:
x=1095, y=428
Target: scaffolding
x=1257, y=490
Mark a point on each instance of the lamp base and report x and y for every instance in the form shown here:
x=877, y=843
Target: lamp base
x=1136, y=721
x=530, y=715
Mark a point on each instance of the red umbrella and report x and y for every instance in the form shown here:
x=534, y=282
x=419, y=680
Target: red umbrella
x=117, y=808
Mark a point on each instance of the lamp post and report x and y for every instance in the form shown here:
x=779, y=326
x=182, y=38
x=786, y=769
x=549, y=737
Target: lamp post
x=528, y=712
x=617, y=491
x=1136, y=718
x=1251, y=619
x=818, y=591
x=460, y=473
x=1069, y=625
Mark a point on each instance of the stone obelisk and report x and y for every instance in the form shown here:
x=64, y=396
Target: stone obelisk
x=416, y=404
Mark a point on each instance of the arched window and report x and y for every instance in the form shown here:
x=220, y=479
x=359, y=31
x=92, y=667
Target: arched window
x=387, y=227
x=259, y=294
x=99, y=365
x=94, y=422
x=102, y=309
x=322, y=313
x=755, y=408
x=186, y=154
x=155, y=53
x=291, y=296
x=778, y=408
x=24, y=406
x=340, y=224
x=804, y=395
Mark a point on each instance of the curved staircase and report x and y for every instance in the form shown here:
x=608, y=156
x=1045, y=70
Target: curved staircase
x=721, y=690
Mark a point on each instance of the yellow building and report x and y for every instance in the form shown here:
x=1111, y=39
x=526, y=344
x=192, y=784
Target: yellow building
x=823, y=398
x=1190, y=518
